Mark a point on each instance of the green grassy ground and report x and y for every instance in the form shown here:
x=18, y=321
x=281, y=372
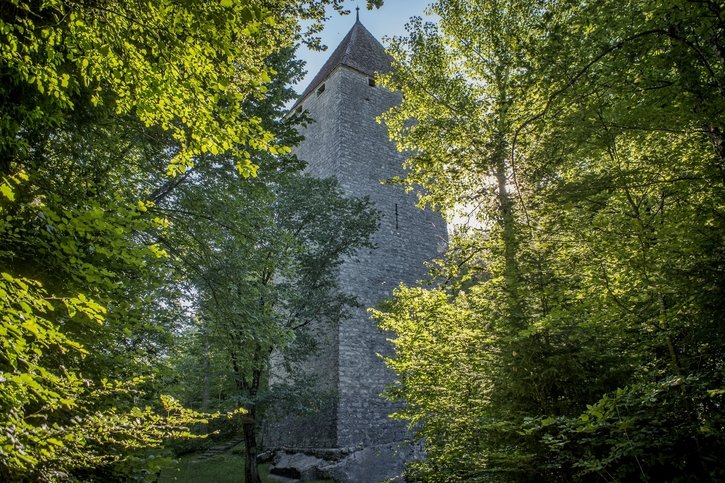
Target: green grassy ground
x=225, y=468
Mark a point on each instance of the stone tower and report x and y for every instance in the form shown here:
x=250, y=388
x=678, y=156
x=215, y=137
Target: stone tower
x=353, y=432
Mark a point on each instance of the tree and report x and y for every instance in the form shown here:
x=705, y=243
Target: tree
x=597, y=357
x=101, y=103
x=260, y=259
x=269, y=271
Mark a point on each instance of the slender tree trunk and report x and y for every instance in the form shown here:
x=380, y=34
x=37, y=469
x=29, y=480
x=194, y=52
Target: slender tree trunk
x=249, y=424
x=507, y=216
x=206, y=368
x=508, y=226
x=717, y=139
x=251, y=470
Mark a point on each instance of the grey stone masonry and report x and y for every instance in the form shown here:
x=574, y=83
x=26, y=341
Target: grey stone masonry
x=346, y=142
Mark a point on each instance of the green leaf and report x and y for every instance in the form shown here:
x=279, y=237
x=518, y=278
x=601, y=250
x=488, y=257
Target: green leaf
x=7, y=191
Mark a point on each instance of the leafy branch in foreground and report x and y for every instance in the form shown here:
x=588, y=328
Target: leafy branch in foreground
x=100, y=103
x=578, y=334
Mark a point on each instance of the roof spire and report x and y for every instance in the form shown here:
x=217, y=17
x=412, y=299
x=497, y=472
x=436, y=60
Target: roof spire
x=357, y=13
x=360, y=51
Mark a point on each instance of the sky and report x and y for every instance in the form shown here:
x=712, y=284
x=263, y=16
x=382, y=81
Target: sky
x=388, y=21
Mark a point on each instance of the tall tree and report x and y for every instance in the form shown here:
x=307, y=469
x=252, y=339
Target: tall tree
x=267, y=271
x=607, y=363
x=261, y=258
x=259, y=293
x=100, y=102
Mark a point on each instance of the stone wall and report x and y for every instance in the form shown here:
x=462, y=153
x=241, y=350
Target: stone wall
x=407, y=238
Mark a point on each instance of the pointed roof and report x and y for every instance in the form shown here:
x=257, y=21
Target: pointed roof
x=359, y=50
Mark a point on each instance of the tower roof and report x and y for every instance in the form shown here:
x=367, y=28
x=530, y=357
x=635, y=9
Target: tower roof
x=359, y=50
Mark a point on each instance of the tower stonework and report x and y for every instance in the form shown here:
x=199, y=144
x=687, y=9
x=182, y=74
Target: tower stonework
x=354, y=432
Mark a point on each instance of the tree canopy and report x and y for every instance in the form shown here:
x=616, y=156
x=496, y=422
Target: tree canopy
x=261, y=260
x=576, y=333
x=107, y=108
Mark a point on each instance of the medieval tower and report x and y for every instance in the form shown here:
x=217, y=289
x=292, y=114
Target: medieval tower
x=351, y=437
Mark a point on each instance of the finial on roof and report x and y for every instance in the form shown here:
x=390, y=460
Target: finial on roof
x=357, y=13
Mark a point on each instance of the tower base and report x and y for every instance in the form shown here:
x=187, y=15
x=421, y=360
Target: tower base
x=371, y=464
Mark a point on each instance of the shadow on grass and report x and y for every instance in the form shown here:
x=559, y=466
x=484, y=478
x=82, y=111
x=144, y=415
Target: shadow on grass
x=226, y=467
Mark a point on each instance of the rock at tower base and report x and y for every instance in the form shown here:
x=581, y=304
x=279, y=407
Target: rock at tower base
x=371, y=464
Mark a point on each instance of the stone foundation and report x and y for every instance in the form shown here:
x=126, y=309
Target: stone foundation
x=371, y=464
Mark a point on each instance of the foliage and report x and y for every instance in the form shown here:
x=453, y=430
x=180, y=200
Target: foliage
x=261, y=259
x=268, y=273
x=184, y=66
x=101, y=102
x=583, y=304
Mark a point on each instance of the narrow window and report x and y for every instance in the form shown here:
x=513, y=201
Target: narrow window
x=396, y=216
x=371, y=82
x=321, y=89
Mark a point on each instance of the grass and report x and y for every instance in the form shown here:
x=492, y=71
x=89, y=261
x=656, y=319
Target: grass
x=224, y=468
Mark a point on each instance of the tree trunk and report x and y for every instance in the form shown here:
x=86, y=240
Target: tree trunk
x=717, y=138
x=508, y=225
x=206, y=368
x=251, y=471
